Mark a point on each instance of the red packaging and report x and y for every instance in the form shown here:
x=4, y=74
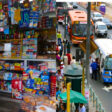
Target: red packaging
x=17, y=84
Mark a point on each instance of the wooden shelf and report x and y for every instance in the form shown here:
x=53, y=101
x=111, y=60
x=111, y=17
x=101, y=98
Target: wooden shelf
x=5, y=91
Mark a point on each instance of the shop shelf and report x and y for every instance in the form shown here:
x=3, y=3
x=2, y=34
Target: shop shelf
x=5, y=80
x=11, y=40
x=14, y=70
x=5, y=91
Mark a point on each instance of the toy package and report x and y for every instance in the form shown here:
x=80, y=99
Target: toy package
x=24, y=18
x=17, y=88
x=5, y=85
x=8, y=76
x=8, y=86
x=30, y=47
x=25, y=76
x=2, y=84
x=34, y=16
x=38, y=81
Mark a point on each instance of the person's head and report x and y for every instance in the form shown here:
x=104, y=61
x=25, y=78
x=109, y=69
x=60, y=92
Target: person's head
x=64, y=86
x=59, y=71
x=61, y=62
x=81, y=105
x=63, y=106
x=93, y=60
x=73, y=57
x=58, y=31
x=57, y=89
x=97, y=60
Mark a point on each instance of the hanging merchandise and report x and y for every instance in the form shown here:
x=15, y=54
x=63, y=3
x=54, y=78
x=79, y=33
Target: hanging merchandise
x=0, y=5
x=1, y=29
x=27, y=34
x=1, y=20
x=9, y=7
x=29, y=45
x=6, y=30
x=34, y=17
x=5, y=9
x=16, y=48
x=24, y=18
x=17, y=15
x=12, y=16
x=26, y=4
x=4, y=19
x=52, y=5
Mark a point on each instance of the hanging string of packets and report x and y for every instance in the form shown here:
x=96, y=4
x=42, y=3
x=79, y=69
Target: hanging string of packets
x=25, y=15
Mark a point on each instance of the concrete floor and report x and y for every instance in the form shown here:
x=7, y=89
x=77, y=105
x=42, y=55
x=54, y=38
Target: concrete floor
x=9, y=105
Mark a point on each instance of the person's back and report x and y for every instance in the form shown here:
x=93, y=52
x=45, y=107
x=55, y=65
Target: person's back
x=82, y=108
x=57, y=93
x=59, y=35
x=94, y=66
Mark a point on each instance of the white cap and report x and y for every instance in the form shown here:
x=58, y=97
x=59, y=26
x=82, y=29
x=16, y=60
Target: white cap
x=62, y=62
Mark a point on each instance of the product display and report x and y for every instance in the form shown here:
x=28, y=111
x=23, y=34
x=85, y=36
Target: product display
x=29, y=46
x=27, y=53
x=33, y=103
x=24, y=27
x=5, y=86
x=37, y=78
x=10, y=70
x=17, y=88
x=38, y=81
x=48, y=5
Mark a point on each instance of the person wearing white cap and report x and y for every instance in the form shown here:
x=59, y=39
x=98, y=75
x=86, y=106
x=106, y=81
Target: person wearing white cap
x=61, y=66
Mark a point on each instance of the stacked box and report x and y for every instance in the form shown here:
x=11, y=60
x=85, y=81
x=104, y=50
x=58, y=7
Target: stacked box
x=30, y=48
